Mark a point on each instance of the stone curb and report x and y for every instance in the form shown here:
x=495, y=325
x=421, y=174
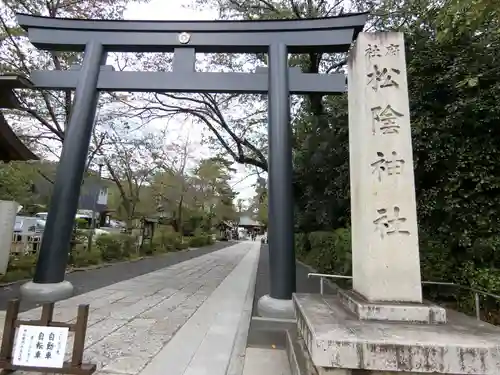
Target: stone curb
x=237, y=358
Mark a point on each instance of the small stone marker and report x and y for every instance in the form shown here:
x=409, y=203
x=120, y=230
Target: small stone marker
x=385, y=253
x=38, y=346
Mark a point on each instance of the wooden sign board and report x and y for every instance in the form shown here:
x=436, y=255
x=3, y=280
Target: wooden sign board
x=40, y=345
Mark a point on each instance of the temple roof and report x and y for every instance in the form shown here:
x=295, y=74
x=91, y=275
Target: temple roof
x=11, y=147
x=246, y=221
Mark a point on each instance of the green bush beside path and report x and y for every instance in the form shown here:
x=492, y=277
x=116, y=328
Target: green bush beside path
x=110, y=248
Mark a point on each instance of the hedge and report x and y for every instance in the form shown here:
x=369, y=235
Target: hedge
x=109, y=248
x=330, y=252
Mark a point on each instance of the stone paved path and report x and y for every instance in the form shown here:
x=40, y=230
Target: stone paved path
x=132, y=322
x=89, y=280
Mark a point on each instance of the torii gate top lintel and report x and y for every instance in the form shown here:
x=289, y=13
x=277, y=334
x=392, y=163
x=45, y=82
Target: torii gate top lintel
x=332, y=34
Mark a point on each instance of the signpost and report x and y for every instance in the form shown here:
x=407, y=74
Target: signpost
x=40, y=345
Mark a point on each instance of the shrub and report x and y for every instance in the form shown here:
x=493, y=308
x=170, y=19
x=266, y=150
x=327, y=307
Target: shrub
x=331, y=252
x=475, y=266
x=15, y=275
x=201, y=240
x=486, y=279
x=146, y=248
x=182, y=246
x=436, y=261
x=158, y=246
x=25, y=263
x=166, y=239
x=82, y=224
x=172, y=241
x=110, y=247
x=210, y=239
x=19, y=268
x=83, y=258
x=197, y=241
x=127, y=244
x=80, y=236
x=302, y=246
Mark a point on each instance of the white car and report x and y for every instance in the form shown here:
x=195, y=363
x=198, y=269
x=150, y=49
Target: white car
x=42, y=215
x=29, y=225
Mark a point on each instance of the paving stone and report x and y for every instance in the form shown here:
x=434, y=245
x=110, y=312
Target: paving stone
x=131, y=322
x=31, y=314
x=169, y=325
x=126, y=365
x=66, y=314
x=131, y=311
x=102, y=329
x=94, y=318
x=163, y=308
x=142, y=323
x=166, y=292
x=204, y=335
x=132, y=299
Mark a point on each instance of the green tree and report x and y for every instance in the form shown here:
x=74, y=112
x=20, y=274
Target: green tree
x=258, y=205
x=16, y=182
x=214, y=195
x=129, y=158
x=172, y=184
x=462, y=16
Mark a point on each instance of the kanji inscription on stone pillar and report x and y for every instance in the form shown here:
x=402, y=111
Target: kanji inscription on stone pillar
x=385, y=253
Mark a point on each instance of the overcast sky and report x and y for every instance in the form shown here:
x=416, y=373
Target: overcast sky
x=177, y=10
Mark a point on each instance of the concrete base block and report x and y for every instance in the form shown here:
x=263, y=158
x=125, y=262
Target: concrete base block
x=336, y=339
x=269, y=307
x=43, y=293
x=393, y=311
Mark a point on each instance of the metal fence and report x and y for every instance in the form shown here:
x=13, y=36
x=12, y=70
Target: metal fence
x=476, y=293
x=25, y=243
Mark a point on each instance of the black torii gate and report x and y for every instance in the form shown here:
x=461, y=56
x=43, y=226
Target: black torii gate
x=96, y=38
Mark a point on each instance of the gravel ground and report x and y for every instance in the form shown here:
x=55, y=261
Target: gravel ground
x=86, y=281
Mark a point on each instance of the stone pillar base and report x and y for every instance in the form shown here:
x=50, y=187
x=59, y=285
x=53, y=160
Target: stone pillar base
x=392, y=311
x=269, y=307
x=338, y=339
x=43, y=293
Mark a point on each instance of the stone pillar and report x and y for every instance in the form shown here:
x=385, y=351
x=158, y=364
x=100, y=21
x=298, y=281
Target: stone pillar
x=394, y=331
x=8, y=212
x=385, y=253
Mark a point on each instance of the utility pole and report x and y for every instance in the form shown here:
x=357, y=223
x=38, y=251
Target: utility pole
x=94, y=208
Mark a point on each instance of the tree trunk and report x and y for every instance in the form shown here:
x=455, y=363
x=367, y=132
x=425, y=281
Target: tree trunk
x=180, y=226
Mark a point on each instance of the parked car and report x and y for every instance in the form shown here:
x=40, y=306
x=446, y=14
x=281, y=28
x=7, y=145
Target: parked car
x=42, y=215
x=29, y=225
x=116, y=224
